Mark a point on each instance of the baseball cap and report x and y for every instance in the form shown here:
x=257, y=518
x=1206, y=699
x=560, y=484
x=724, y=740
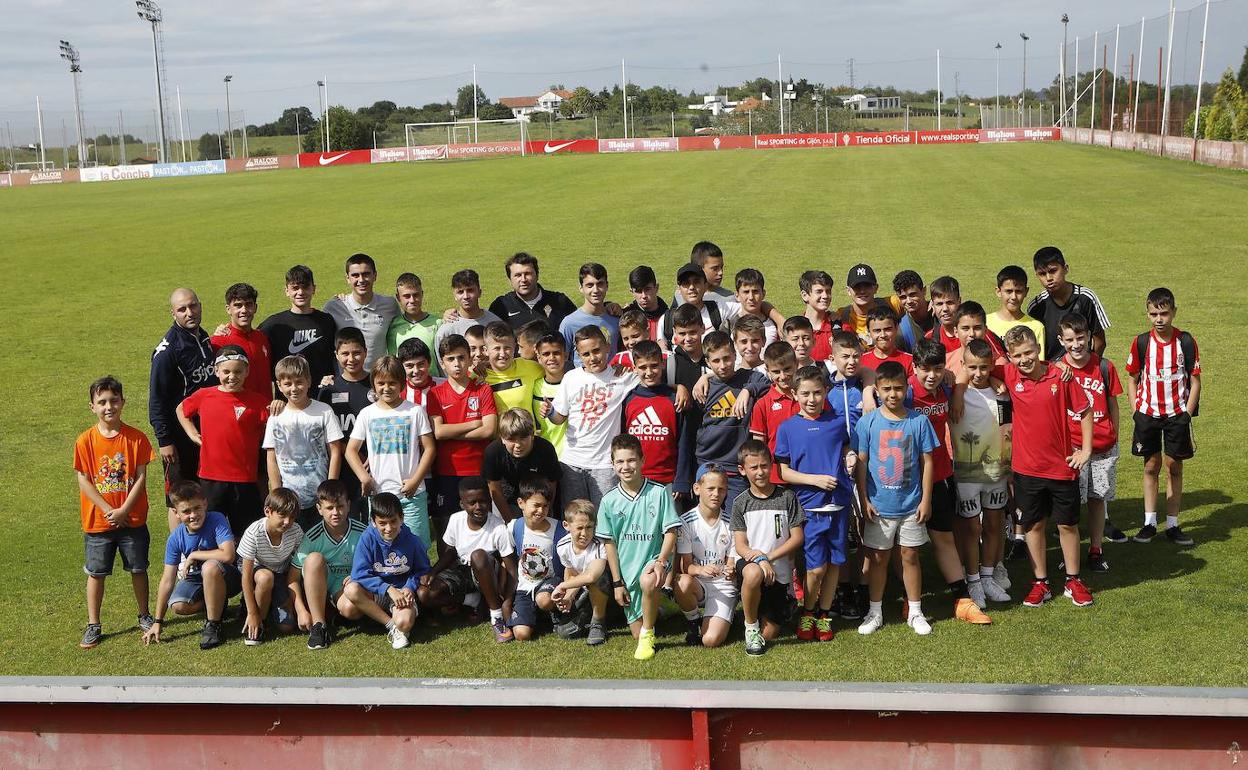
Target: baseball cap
x=706, y=468
x=689, y=269
x=859, y=274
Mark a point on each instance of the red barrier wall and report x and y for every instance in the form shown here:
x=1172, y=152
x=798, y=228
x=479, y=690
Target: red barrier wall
x=562, y=147
x=343, y=158
x=689, y=143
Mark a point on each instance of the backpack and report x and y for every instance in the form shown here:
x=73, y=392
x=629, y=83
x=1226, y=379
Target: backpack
x=712, y=310
x=556, y=566
x=1187, y=344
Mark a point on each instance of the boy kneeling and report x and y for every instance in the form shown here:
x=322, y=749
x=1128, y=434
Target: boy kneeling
x=266, y=566
x=388, y=566
x=536, y=537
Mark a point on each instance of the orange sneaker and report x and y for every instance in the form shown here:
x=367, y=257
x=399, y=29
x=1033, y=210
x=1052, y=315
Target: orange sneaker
x=967, y=610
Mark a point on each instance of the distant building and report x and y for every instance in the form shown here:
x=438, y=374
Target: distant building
x=716, y=104
x=864, y=103
x=523, y=107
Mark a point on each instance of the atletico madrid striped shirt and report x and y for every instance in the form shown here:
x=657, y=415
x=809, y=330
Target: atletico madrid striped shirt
x=1163, y=380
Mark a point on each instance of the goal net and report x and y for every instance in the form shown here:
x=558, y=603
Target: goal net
x=505, y=134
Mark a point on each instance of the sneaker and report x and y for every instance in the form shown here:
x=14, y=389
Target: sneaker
x=755, y=644
x=254, y=641
x=871, y=623
x=669, y=593
x=966, y=609
x=993, y=590
x=920, y=624
x=823, y=629
x=318, y=637
x=1175, y=535
x=502, y=633
x=1096, y=562
x=92, y=636
x=976, y=592
x=1077, y=592
x=1002, y=576
x=645, y=646
x=1017, y=550
x=693, y=636
x=806, y=626
x=398, y=639
x=799, y=590
x=849, y=604
x=211, y=636
x=1039, y=594
x=837, y=608
x=1113, y=534
x=597, y=634
x=146, y=621
x=1146, y=534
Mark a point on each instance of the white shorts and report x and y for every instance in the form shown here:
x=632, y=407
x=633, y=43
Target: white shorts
x=719, y=599
x=974, y=498
x=1099, y=478
x=882, y=534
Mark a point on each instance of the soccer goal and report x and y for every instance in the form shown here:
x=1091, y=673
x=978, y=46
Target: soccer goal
x=503, y=131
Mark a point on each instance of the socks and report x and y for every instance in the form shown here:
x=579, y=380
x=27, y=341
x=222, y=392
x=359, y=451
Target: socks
x=1172, y=521
x=916, y=609
x=646, y=632
x=877, y=608
x=972, y=578
x=496, y=615
x=693, y=614
x=958, y=589
x=751, y=626
x=1150, y=519
x=986, y=572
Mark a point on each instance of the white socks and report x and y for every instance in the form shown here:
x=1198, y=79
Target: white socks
x=1172, y=521
x=1150, y=519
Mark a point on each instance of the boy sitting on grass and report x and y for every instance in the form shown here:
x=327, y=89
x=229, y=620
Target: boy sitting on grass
x=706, y=589
x=584, y=567
x=322, y=565
x=536, y=537
x=389, y=564
x=265, y=552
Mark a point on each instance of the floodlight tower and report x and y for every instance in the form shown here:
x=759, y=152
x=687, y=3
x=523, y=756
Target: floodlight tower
x=229, y=116
x=1023, y=102
x=150, y=12
x=1065, y=22
x=70, y=54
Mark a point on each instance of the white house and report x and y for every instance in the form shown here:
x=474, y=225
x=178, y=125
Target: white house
x=523, y=107
x=864, y=103
x=715, y=104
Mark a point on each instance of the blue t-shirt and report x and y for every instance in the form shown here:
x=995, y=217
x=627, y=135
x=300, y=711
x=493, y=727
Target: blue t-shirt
x=574, y=322
x=816, y=446
x=894, y=451
x=214, y=531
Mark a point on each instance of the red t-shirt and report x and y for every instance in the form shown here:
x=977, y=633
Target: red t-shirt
x=1041, y=431
x=259, y=369
x=872, y=360
x=950, y=341
x=935, y=406
x=232, y=427
x=821, y=348
x=461, y=457
x=1100, y=390
x=769, y=411
x=651, y=416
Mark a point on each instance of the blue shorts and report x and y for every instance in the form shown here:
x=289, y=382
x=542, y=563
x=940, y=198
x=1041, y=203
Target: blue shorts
x=524, y=607
x=190, y=589
x=827, y=535
x=102, y=547
x=280, y=606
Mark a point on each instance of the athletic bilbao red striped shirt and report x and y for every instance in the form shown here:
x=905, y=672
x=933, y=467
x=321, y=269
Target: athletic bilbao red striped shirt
x=1163, y=387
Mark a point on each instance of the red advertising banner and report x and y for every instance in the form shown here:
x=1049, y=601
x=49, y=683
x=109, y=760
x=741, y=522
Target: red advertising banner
x=261, y=163
x=342, y=158
x=876, y=138
x=688, y=143
x=1045, y=134
x=484, y=149
x=562, y=147
x=777, y=141
x=661, y=144
x=952, y=136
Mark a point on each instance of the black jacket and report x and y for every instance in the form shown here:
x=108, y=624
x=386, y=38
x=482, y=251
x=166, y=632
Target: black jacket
x=552, y=308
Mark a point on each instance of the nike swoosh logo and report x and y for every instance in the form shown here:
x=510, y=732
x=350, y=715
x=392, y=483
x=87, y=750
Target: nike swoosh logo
x=511, y=313
x=297, y=348
x=324, y=161
x=549, y=148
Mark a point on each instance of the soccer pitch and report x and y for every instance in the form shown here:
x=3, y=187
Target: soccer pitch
x=91, y=268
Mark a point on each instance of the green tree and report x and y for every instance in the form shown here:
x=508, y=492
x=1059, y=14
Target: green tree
x=1226, y=109
x=463, y=100
x=347, y=131
x=210, y=146
x=1243, y=72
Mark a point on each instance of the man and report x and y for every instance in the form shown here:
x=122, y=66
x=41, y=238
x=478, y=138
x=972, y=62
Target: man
x=527, y=300
x=181, y=364
x=362, y=309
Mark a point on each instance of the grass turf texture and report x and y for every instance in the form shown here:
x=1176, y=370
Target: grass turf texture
x=91, y=267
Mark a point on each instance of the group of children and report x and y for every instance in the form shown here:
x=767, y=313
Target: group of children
x=545, y=465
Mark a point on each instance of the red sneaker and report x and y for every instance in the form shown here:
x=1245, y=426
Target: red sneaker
x=799, y=590
x=1039, y=594
x=1077, y=592
x=806, y=626
x=823, y=629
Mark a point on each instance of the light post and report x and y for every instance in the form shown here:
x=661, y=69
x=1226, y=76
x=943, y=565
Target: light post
x=70, y=54
x=229, y=116
x=1022, y=104
x=996, y=120
x=150, y=12
x=1065, y=22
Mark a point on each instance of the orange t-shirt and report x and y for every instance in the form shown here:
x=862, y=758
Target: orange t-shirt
x=112, y=464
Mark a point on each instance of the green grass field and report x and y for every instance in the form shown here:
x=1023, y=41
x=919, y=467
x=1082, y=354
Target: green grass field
x=92, y=266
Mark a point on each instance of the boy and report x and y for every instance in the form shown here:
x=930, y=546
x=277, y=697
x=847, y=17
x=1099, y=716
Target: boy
x=399, y=440
x=390, y=564
x=811, y=451
x=302, y=330
x=846, y=404
x=475, y=335
x=816, y=290
x=593, y=283
x=861, y=287
x=413, y=322
x=1098, y=479
x=882, y=330
x=686, y=363
x=348, y=391
x=716, y=314
x=916, y=317
x=1164, y=364
x=779, y=403
x=528, y=300
x=1061, y=297
x=590, y=400
x=638, y=523
x=465, y=420
x=1012, y=290
x=748, y=335
x=478, y=555
x=110, y=462
x=267, y=593
x=231, y=428
x=199, y=558
x=363, y=308
x=649, y=413
x=552, y=357
x=752, y=295
x=322, y=565
x=800, y=335
x=303, y=442
x=946, y=298
x=519, y=455
x=466, y=286
x=766, y=526
x=584, y=566
x=894, y=478
x=417, y=362
x=970, y=323
x=710, y=260
x=706, y=589
x=1046, y=465
x=535, y=537
x=633, y=329
x=644, y=285
x=527, y=337
x=240, y=306
x=721, y=424
x=510, y=378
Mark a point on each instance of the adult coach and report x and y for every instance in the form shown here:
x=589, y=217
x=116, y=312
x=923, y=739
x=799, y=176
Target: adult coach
x=181, y=364
x=363, y=309
x=527, y=300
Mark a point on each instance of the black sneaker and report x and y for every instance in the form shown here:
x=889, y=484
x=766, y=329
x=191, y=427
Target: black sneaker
x=318, y=637
x=849, y=605
x=837, y=609
x=862, y=601
x=212, y=635
x=1113, y=534
x=1175, y=535
x=1017, y=550
x=92, y=636
x=1096, y=562
x=693, y=636
x=669, y=593
x=146, y=621
x=1146, y=534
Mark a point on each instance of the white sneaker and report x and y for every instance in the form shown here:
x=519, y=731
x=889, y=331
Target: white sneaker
x=976, y=592
x=871, y=623
x=398, y=639
x=1001, y=576
x=919, y=623
x=993, y=591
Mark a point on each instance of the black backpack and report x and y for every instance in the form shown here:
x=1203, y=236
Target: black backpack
x=1187, y=344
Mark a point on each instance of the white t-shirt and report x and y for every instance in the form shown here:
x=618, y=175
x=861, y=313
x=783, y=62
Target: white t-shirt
x=536, y=557
x=393, y=440
x=255, y=545
x=493, y=536
x=299, y=438
x=579, y=561
x=707, y=543
x=977, y=441
x=593, y=404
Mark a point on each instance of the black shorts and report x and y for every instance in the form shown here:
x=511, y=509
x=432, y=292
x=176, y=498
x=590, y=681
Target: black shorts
x=443, y=497
x=1040, y=498
x=1174, y=432
x=944, y=505
x=775, y=603
x=185, y=469
x=238, y=501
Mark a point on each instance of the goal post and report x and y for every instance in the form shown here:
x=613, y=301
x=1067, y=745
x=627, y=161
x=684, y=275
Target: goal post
x=453, y=132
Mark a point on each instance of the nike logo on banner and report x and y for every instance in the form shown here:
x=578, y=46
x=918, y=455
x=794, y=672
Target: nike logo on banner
x=549, y=148
x=324, y=161
x=298, y=347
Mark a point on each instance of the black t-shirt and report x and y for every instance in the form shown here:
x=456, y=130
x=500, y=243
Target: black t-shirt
x=1046, y=310
x=348, y=399
x=310, y=335
x=499, y=465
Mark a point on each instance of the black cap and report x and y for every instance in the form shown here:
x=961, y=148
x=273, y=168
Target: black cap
x=689, y=269
x=859, y=274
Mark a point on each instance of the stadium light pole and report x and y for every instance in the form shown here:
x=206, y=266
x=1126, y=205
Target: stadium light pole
x=150, y=12
x=1065, y=23
x=1023, y=99
x=996, y=121
x=320, y=99
x=70, y=54
x=229, y=116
